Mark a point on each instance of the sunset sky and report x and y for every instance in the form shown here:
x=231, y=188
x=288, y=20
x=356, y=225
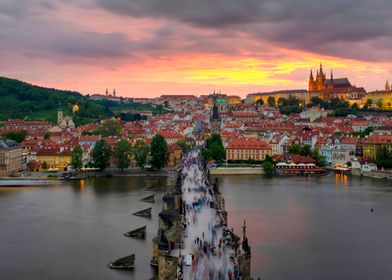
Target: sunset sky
x=145, y=48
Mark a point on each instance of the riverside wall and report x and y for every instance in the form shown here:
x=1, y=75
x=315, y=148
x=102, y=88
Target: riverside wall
x=237, y=171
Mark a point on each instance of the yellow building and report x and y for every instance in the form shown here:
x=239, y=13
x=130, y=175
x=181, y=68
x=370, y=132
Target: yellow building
x=302, y=95
x=245, y=149
x=233, y=99
x=75, y=108
x=374, y=142
x=10, y=158
x=54, y=158
x=385, y=97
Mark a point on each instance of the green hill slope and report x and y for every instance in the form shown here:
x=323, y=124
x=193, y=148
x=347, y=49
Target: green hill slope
x=22, y=100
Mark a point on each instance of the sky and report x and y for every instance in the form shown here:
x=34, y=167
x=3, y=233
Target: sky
x=146, y=48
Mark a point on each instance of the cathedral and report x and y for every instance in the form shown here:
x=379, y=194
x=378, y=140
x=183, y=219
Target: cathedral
x=321, y=82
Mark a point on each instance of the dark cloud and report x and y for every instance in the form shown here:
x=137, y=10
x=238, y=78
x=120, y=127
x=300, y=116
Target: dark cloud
x=21, y=8
x=301, y=24
x=92, y=45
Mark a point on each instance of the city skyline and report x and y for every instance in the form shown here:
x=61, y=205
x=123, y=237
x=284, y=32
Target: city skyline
x=145, y=49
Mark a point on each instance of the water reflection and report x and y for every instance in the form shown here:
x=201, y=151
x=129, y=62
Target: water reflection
x=307, y=228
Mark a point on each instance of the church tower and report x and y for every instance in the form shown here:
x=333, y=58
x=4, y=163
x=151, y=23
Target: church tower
x=320, y=79
x=59, y=117
x=387, y=86
x=312, y=86
x=215, y=119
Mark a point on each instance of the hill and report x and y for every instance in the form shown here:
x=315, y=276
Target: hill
x=22, y=100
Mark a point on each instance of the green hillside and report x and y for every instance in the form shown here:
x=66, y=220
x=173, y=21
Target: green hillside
x=22, y=100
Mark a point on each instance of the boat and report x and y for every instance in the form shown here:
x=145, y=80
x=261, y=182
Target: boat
x=137, y=233
x=127, y=262
x=149, y=198
x=143, y=213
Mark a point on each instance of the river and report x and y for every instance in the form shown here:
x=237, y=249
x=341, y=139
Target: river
x=298, y=228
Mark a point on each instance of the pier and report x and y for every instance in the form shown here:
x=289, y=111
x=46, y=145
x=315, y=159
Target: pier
x=194, y=240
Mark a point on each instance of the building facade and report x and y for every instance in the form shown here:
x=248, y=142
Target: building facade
x=10, y=158
x=244, y=149
x=374, y=142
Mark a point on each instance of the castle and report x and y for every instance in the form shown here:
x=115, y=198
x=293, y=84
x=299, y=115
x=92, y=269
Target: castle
x=321, y=82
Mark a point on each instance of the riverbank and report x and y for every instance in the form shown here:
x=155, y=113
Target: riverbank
x=237, y=171
x=110, y=172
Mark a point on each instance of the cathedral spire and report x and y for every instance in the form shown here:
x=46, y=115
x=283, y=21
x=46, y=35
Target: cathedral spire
x=331, y=76
x=311, y=74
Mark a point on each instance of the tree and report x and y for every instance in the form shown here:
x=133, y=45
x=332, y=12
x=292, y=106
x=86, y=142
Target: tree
x=77, y=157
x=306, y=150
x=44, y=165
x=109, y=128
x=379, y=103
x=159, y=152
x=122, y=153
x=260, y=102
x=101, y=154
x=17, y=136
x=355, y=107
x=268, y=167
x=368, y=103
x=320, y=159
x=217, y=152
x=315, y=101
x=184, y=145
x=214, y=148
x=271, y=101
x=140, y=152
x=294, y=149
x=383, y=157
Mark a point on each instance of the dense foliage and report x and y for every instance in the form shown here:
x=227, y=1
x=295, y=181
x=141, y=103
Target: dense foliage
x=214, y=148
x=383, y=157
x=18, y=136
x=306, y=150
x=140, y=152
x=77, y=157
x=26, y=101
x=109, y=128
x=101, y=154
x=122, y=154
x=159, y=152
x=289, y=105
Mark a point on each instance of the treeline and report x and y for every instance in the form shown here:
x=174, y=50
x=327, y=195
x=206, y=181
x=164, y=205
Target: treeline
x=340, y=107
x=30, y=102
x=157, y=154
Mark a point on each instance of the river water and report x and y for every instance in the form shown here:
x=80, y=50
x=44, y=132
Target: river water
x=298, y=228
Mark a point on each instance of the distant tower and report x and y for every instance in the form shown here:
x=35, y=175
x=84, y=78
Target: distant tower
x=312, y=86
x=106, y=93
x=59, y=117
x=215, y=120
x=387, y=86
x=330, y=85
x=320, y=79
x=114, y=92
